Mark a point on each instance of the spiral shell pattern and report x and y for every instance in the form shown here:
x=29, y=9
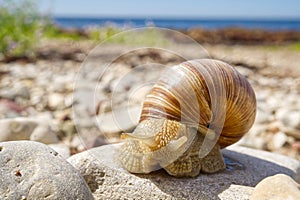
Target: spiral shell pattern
x=204, y=93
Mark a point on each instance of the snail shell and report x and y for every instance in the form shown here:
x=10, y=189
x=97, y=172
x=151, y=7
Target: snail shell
x=195, y=108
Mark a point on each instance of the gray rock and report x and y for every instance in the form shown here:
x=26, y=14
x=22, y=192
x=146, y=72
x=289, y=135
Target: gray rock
x=56, y=101
x=262, y=116
x=289, y=117
x=257, y=129
x=9, y=109
x=61, y=149
x=278, y=187
x=17, y=91
x=119, y=120
x=236, y=192
x=245, y=168
x=68, y=127
x=31, y=170
x=16, y=128
x=7, y=93
x=253, y=142
x=138, y=93
x=279, y=139
x=44, y=134
x=22, y=92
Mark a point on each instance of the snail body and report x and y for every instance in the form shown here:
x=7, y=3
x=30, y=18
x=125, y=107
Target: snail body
x=195, y=109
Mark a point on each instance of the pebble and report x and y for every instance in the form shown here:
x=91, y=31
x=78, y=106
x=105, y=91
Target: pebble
x=78, y=143
x=119, y=120
x=56, y=101
x=68, y=128
x=44, y=134
x=244, y=71
x=253, y=142
x=62, y=149
x=17, y=128
x=262, y=116
x=10, y=109
x=138, y=93
x=22, y=92
x=31, y=170
x=279, y=139
x=289, y=117
x=257, y=130
x=277, y=187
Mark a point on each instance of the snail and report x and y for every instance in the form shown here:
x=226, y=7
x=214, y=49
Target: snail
x=195, y=109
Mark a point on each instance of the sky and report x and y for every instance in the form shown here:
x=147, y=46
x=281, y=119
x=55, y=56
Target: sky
x=174, y=8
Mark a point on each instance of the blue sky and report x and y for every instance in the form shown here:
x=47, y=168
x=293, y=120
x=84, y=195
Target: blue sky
x=175, y=8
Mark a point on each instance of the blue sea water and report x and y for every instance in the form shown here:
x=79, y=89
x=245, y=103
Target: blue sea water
x=268, y=24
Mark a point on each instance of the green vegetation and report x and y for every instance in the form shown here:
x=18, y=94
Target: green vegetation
x=19, y=24
x=295, y=46
x=51, y=31
x=147, y=37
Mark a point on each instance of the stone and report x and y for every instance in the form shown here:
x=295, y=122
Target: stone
x=17, y=128
x=245, y=168
x=253, y=142
x=244, y=71
x=44, y=134
x=7, y=93
x=119, y=120
x=236, y=192
x=32, y=170
x=22, y=92
x=279, y=139
x=56, y=101
x=96, y=142
x=78, y=143
x=61, y=149
x=277, y=187
x=289, y=117
x=262, y=116
x=10, y=109
x=138, y=93
x=68, y=127
x=257, y=129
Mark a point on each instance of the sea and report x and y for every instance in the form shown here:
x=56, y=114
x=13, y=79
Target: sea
x=181, y=24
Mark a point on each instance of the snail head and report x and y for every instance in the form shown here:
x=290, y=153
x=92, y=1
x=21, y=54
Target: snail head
x=154, y=144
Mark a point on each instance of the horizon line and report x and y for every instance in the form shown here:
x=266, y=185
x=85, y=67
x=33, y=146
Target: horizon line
x=267, y=18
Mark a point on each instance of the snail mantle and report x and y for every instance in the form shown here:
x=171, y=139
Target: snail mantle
x=108, y=180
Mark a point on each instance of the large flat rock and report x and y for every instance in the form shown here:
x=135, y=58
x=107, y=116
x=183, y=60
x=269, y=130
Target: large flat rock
x=246, y=167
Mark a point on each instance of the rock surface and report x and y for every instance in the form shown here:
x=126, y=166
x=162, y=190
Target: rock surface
x=277, y=187
x=31, y=170
x=107, y=179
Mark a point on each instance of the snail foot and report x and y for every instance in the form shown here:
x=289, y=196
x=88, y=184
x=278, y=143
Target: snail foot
x=190, y=164
x=213, y=162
